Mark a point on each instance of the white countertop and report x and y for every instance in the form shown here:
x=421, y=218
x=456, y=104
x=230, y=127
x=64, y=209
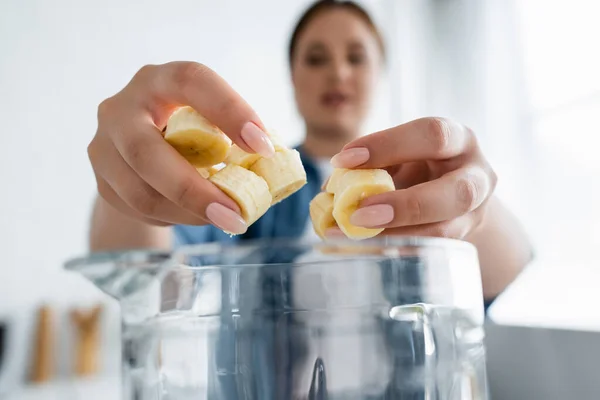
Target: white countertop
x=99, y=388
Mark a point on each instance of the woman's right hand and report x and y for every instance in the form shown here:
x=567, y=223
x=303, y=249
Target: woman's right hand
x=141, y=175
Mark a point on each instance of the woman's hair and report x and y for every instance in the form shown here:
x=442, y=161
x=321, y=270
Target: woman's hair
x=325, y=5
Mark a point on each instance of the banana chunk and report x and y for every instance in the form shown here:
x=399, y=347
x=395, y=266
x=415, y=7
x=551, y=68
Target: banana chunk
x=207, y=172
x=321, y=213
x=276, y=139
x=350, y=187
x=253, y=182
x=240, y=157
x=200, y=142
x=247, y=189
x=237, y=156
x=335, y=179
x=284, y=173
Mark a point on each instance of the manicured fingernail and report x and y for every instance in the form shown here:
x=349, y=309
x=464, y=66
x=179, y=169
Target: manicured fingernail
x=373, y=216
x=257, y=140
x=334, y=232
x=350, y=158
x=225, y=218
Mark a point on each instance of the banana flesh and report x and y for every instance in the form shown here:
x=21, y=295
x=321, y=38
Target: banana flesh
x=239, y=157
x=283, y=173
x=276, y=139
x=200, y=142
x=334, y=179
x=247, y=189
x=349, y=187
x=207, y=172
x=321, y=213
x=253, y=182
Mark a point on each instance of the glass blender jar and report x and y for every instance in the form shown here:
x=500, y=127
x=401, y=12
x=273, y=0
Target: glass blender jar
x=385, y=318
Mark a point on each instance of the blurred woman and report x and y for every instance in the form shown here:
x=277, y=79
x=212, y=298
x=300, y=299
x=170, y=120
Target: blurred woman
x=151, y=197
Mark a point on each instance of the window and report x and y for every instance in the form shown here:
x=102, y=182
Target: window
x=559, y=137
x=560, y=44
x=525, y=75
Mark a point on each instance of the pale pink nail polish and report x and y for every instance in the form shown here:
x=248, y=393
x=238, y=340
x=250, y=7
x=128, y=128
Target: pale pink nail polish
x=373, y=216
x=257, y=140
x=334, y=232
x=350, y=158
x=226, y=219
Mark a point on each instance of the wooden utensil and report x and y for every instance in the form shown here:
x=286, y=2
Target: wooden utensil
x=87, y=327
x=43, y=365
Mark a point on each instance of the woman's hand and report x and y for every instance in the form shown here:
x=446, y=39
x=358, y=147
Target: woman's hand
x=442, y=179
x=141, y=175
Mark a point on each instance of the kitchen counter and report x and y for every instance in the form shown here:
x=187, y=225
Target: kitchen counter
x=100, y=388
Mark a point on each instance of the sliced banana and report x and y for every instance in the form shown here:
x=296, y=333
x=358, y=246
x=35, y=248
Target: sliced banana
x=239, y=157
x=321, y=213
x=247, y=189
x=255, y=183
x=196, y=139
x=207, y=172
x=284, y=173
x=350, y=187
x=335, y=179
x=276, y=139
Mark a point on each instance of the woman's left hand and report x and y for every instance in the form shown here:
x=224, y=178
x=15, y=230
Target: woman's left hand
x=443, y=181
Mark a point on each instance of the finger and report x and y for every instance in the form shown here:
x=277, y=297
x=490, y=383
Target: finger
x=161, y=167
x=450, y=196
x=192, y=192
x=112, y=198
x=422, y=139
x=455, y=229
x=196, y=85
x=136, y=193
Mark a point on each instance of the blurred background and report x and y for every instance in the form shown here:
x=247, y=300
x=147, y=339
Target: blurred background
x=524, y=74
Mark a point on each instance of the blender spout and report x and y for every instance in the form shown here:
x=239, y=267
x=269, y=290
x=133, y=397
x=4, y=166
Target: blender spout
x=120, y=274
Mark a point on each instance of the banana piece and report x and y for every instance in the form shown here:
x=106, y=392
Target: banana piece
x=247, y=189
x=276, y=139
x=321, y=213
x=255, y=183
x=207, y=172
x=350, y=187
x=200, y=142
x=284, y=173
x=239, y=157
x=335, y=179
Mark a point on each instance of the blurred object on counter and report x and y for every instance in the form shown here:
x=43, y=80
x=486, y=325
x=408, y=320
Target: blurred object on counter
x=3, y=339
x=16, y=348
x=42, y=368
x=41, y=348
x=87, y=336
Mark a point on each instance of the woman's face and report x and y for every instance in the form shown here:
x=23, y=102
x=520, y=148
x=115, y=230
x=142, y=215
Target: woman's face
x=334, y=71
